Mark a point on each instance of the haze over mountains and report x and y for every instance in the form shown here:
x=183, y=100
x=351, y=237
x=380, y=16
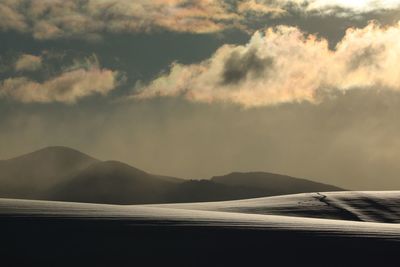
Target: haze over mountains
x=60, y=173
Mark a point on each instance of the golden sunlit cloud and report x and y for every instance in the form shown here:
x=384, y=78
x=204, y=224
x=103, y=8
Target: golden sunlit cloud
x=65, y=18
x=28, y=62
x=67, y=87
x=285, y=65
x=90, y=19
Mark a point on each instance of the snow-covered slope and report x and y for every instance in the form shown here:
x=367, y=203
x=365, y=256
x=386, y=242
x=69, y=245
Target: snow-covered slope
x=356, y=206
x=340, y=213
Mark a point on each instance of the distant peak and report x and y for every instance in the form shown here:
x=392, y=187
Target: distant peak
x=117, y=165
x=252, y=173
x=56, y=151
x=58, y=148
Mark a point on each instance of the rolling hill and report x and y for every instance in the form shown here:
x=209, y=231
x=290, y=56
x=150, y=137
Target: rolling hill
x=61, y=173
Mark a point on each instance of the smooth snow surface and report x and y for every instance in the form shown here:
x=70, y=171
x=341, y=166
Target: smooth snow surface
x=357, y=206
x=370, y=214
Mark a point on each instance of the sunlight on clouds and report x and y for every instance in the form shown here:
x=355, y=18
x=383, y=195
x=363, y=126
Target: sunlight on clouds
x=90, y=19
x=322, y=7
x=28, y=62
x=68, y=88
x=357, y=5
x=73, y=84
x=285, y=65
x=71, y=18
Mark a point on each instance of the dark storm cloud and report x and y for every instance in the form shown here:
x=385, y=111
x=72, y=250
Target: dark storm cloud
x=239, y=66
x=368, y=56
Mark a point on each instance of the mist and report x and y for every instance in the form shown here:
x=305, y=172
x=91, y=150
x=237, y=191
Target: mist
x=349, y=139
x=345, y=138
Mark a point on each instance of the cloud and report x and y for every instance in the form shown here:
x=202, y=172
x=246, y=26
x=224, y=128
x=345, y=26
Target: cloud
x=239, y=66
x=355, y=6
x=323, y=7
x=68, y=87
x=28, y=62
x=11, y=18
x=260, y=7
x=315, y=7
x=49, y=19
x=285, y=65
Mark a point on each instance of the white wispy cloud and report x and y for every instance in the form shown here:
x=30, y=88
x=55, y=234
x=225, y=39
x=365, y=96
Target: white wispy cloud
x=354, y=5
x=285, y=65
x=328, y=6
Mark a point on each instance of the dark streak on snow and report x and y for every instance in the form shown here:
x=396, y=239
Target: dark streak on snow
x=348, y=215
x=376, y=211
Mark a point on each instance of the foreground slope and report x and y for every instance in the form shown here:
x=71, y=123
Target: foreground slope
x=379, y=207
x=348, y=212
x=234, y=233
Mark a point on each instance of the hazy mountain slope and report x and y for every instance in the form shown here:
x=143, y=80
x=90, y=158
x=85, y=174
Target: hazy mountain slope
x=117, y=183
x=244, y=185
x=29, y=175
x=59, y=173
x=268, y=184
x=208, y=190
x=114, y=182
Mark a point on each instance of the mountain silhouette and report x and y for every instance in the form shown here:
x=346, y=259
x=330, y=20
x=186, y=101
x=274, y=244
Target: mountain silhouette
x=114, y=182
x=27, y=176
x=271, y=183
x=64, y=174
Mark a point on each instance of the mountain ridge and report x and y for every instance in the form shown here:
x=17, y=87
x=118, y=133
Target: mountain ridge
x=62, y=173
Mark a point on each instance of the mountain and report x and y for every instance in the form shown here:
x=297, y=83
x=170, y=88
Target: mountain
x=244, y=185
x=60, y=173
x=272, y=184
x=27, y=176
x=114, y=182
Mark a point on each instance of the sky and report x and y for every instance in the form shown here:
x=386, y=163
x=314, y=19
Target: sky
x=198, y=88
